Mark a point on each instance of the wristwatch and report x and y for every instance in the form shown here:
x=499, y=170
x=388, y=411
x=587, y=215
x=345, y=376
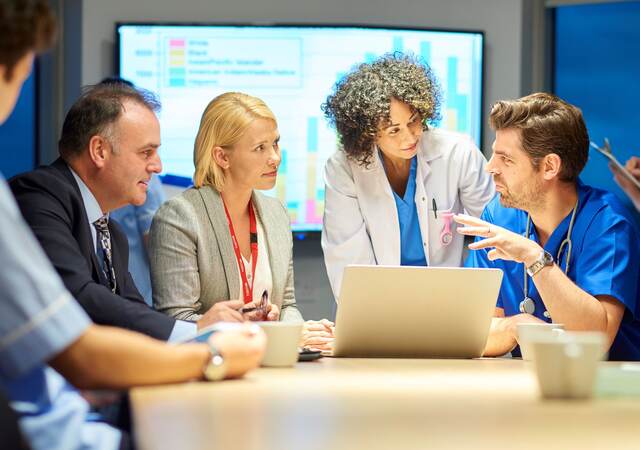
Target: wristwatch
x=544, y=260
x=216, y=368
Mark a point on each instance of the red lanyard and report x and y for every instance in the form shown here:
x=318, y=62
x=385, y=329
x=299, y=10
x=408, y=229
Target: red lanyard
x=253, y=240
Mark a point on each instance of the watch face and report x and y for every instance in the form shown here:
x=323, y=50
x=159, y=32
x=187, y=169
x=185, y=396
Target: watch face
x=545, y=260
x=215, y=370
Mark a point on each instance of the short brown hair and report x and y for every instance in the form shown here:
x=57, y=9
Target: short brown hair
x=25, y=25
x=95, y=112
x=547, y=125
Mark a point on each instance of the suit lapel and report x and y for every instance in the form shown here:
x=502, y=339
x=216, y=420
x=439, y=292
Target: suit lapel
x=212, y=203
x=85, y=238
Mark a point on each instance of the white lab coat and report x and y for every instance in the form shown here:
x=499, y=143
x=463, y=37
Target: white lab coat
x=361, y=220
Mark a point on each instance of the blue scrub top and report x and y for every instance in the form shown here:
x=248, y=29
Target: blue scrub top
x=605, y=260
x=38, y=319
x=411, y=249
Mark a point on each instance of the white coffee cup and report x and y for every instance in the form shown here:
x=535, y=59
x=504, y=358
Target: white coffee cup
x=566, y=365
x=529, y=331
x=282, y=343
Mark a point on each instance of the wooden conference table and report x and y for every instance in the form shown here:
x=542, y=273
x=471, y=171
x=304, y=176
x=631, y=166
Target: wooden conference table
x=373, y=404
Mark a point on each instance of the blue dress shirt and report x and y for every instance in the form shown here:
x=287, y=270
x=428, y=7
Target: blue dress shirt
x=605, y=260
x=38, y=319
x=135, y=221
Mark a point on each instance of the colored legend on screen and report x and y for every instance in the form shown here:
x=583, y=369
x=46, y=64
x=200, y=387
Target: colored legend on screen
x=177, y=68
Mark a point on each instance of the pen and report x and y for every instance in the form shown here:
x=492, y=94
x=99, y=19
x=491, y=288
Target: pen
x=435, y=208
x=263, y=304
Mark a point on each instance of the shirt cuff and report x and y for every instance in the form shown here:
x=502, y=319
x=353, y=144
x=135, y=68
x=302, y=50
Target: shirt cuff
x=183, y=331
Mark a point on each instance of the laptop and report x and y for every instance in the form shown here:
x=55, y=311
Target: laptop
x=415, y=312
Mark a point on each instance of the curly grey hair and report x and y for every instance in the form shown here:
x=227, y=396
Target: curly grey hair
x=361, y=100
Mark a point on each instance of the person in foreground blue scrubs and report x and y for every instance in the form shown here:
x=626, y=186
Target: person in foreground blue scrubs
x=48, y=346
x=570, y=253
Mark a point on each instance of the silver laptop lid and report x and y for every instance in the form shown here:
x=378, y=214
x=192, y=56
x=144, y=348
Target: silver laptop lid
x=401, y=311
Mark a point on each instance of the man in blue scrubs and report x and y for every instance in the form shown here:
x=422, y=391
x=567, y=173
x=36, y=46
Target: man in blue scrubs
x=569, y=252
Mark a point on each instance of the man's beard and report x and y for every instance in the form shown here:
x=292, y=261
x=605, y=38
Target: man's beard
x=530, y=198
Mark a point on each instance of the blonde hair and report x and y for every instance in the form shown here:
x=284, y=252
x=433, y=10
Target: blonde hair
x=223, y=123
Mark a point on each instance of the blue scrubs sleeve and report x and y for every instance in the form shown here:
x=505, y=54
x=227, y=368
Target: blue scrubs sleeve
x=39, y=317
x=610, y=261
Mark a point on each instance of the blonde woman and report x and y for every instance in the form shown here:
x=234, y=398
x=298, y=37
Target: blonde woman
x=223, y=248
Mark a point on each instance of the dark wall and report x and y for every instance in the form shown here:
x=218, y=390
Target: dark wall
x=17, y=134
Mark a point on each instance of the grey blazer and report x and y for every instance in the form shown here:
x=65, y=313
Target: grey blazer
x=193, y=265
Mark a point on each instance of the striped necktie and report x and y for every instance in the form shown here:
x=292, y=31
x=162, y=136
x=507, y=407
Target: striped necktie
x=104, y=241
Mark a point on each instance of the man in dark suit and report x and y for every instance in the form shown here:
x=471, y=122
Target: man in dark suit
x=108, y=152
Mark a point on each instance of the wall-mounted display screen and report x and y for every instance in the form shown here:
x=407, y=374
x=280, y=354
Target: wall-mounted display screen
x=293, y=69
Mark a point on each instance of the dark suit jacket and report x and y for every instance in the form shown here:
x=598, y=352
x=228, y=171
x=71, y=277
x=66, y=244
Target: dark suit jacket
x=52, y=205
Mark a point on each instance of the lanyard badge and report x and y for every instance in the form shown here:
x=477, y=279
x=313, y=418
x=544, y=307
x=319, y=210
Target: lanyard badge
x=247, y=289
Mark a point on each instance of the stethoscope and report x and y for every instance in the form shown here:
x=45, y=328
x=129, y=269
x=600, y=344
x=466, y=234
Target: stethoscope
x=528, y=305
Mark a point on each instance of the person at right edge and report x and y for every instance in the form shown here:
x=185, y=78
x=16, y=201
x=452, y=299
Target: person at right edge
x=569, y=252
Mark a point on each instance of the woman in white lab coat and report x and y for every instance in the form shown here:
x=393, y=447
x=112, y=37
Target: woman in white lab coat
x=393, y=186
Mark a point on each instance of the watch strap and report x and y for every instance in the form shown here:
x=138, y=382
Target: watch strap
x=215, y=369
x=544, y=260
